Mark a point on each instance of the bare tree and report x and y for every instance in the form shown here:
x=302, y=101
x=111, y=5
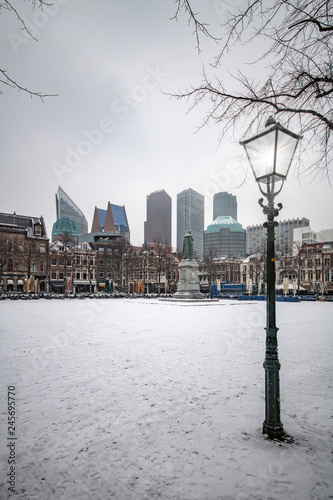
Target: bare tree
x=67, y=251
x=5, y=79
x=210, y=264
x=298, y=84
x=160, y=261
x=125, y=252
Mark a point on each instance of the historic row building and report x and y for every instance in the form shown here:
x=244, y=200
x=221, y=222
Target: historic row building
x=23, y=252
x=310, y=270
x=107, y=262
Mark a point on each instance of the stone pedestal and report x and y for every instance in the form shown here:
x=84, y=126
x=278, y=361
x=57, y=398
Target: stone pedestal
x=188, y=285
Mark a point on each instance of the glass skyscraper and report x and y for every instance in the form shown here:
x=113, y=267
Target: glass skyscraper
x=66, y=207
x=158, y=223
x=224, y=204
x=191, y=216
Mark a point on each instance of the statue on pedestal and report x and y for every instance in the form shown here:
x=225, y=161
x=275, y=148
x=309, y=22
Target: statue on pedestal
x=188, y=246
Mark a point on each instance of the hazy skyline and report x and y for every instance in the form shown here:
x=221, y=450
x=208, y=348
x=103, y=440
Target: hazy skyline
x=112, y=133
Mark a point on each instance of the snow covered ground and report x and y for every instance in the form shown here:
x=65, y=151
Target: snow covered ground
x=140, y=399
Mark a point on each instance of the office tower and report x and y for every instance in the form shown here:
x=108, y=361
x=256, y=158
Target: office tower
x=158, y=224
x=226, y=237
x=111, y=220
x=224, y=204
x=190, y=216
x=284, y=236
x=66, y=207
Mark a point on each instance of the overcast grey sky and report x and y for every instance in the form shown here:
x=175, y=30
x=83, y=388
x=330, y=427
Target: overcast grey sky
x=112, y=134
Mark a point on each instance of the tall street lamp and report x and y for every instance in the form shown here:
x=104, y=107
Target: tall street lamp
x=270, y=153
x=144, y=254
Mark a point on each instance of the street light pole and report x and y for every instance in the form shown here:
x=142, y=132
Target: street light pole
x=272, y=424
x=270, y=153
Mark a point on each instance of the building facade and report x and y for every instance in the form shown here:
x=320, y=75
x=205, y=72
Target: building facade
x=152, y=268
x=284, y=236
x=316, y=267
x=24, y=250
x=305, y=235
x=225, y=237
x=224, y=204
x=65, y=207
x=191, y=216
x=219, y=270
x=157, y=227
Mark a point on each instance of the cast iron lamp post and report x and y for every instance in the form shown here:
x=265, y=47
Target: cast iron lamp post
x=270, y=153
x=144, y=254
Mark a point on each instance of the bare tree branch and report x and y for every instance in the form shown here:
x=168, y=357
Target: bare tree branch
x=6, y=5
x=298, y=85
x=13, y=84
x=199, y=27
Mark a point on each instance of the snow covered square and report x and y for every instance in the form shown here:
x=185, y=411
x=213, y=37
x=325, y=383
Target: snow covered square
x=139, y=399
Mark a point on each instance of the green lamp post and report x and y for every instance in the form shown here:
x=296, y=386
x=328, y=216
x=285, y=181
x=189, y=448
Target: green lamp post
x=270, y=153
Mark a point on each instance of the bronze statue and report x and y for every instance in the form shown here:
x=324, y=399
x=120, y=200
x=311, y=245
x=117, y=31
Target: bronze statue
x=188, y=246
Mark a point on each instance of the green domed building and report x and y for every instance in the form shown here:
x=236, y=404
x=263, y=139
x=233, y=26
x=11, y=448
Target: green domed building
x=226, y=236
x=64, y=226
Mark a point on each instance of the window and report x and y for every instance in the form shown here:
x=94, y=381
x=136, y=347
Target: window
x=42, y=248
x=84, y=276
x=53, y=275
x=101, y=263
x=101, y=275
x=61, y=275
x=42, y=267
x=78, y=275
x=38, y=230
x=53, y=261
x=33, y=267
x=20, y=246
x=10, y=246
x=10, y=265
x=33, y=247
x=20, y=265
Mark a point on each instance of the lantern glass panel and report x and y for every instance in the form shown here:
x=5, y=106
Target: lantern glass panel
x=261, y=155
x=286, y=145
